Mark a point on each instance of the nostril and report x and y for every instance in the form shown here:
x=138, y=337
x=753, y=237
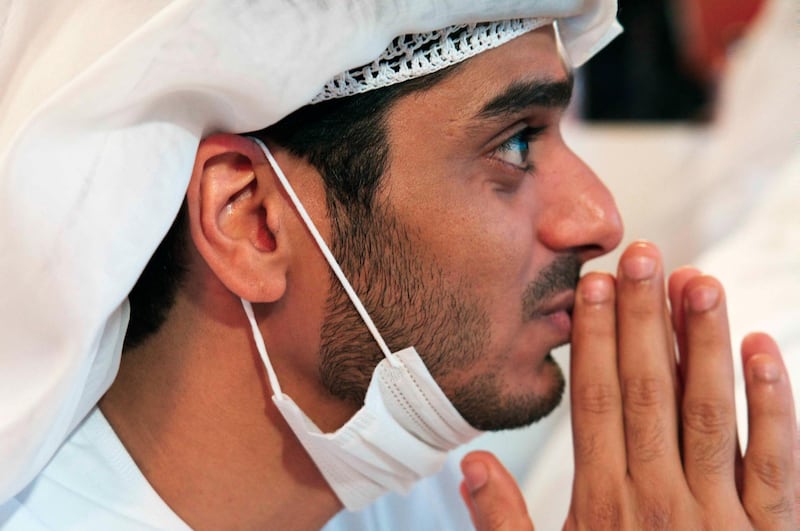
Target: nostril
x=589, y=252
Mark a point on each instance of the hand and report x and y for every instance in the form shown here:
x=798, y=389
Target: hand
x=655, y=440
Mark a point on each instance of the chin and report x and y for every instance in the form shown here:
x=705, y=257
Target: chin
x=489, y=404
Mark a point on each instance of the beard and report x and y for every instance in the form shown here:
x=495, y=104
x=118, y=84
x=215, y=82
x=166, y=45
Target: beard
x=412, y=303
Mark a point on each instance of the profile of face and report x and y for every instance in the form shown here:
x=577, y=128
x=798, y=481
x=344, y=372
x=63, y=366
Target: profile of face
x=475, y=242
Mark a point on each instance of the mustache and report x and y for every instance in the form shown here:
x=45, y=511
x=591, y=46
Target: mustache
x=560, y=275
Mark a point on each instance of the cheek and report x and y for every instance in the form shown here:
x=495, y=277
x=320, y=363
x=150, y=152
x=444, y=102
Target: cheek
x=481, y=239
x=506, y=234
x=487, y=247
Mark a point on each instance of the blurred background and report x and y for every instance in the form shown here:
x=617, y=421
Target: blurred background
x=692, y=119
x=668, y=63
x=686, y=113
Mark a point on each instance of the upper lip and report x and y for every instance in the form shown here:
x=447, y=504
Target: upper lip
x=562, y=301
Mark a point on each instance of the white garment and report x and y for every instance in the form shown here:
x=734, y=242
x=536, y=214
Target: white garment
x=754, y=134
x=92, y=484
x=102, y=106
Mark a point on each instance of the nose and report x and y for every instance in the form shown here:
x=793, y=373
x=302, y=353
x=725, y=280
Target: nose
x=582, y=216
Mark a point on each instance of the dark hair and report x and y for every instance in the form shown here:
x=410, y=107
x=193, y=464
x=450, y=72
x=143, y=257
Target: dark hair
x=345, y=139
x=154, y=292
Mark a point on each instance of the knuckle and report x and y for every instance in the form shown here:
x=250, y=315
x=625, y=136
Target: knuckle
x=782, y=508
x=648, y=441
x=712, y=453
x=597, y=399
x=643, y=398
x=771, y=513
x=644, y=426
x=770, y=469
x=708, y=417
x=642, y=394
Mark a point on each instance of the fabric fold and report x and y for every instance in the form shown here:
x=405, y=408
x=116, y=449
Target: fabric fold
x=102, y=108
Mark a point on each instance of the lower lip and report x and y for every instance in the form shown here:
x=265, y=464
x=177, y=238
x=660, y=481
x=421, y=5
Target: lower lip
x=561, y=321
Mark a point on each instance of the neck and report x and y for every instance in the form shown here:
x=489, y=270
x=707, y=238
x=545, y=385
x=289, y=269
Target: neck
x=194, y=412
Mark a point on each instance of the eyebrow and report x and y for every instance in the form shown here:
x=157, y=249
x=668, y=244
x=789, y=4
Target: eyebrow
x=521, y=95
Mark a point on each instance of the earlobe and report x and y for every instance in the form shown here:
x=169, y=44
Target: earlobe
x=235, y=216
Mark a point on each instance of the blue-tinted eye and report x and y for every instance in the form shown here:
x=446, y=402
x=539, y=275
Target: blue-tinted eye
x=516, y=150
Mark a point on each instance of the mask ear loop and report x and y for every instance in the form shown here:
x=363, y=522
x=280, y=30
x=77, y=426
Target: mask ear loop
x=326, y=252
x=261, y=348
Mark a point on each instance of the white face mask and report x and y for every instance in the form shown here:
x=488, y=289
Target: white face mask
x=403, y=431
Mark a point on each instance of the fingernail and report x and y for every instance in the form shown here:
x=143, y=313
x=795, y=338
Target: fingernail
x=595, y=290
x=764, y=369
x=475, y=475
x=639, y=267
x=703, y=298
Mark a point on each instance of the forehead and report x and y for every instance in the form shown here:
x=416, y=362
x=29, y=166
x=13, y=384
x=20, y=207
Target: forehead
x=533, y=57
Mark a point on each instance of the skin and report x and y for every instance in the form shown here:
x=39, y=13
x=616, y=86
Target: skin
x=637, y=415
x=191, y=404
x=478, y=248
x=492, y=227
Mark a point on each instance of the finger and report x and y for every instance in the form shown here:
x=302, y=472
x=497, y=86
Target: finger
x=677, y=281
x=596, y=402
x=708, y=413
x=769, y=465
x=647, y=369
x=756, y=343
x=492, y=495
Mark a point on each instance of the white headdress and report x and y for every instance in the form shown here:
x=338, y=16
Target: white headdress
x=102, y=107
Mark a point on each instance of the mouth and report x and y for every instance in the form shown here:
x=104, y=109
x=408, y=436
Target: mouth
x=557, y=313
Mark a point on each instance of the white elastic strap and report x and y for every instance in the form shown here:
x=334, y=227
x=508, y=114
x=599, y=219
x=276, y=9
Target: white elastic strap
x=327, y=253
x=261, y=347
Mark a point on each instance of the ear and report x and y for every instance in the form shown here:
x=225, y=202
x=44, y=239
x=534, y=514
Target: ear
x=235, y=213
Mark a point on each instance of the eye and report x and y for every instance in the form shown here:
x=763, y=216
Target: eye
x=517, y=149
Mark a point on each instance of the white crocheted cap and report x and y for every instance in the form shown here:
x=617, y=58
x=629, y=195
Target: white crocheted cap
x=418, y=54
x=119, y=114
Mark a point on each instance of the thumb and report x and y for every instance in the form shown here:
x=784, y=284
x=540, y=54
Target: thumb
x=492, y=496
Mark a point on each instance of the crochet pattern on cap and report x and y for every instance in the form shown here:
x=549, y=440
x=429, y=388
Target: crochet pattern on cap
x=418, y=54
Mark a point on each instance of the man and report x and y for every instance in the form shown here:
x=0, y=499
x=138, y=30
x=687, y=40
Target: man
x=462, y=234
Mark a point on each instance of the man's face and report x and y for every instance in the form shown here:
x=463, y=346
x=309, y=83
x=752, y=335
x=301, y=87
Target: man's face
x=481, y=223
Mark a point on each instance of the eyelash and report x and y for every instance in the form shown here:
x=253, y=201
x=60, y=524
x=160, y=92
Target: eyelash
x=521, y=140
